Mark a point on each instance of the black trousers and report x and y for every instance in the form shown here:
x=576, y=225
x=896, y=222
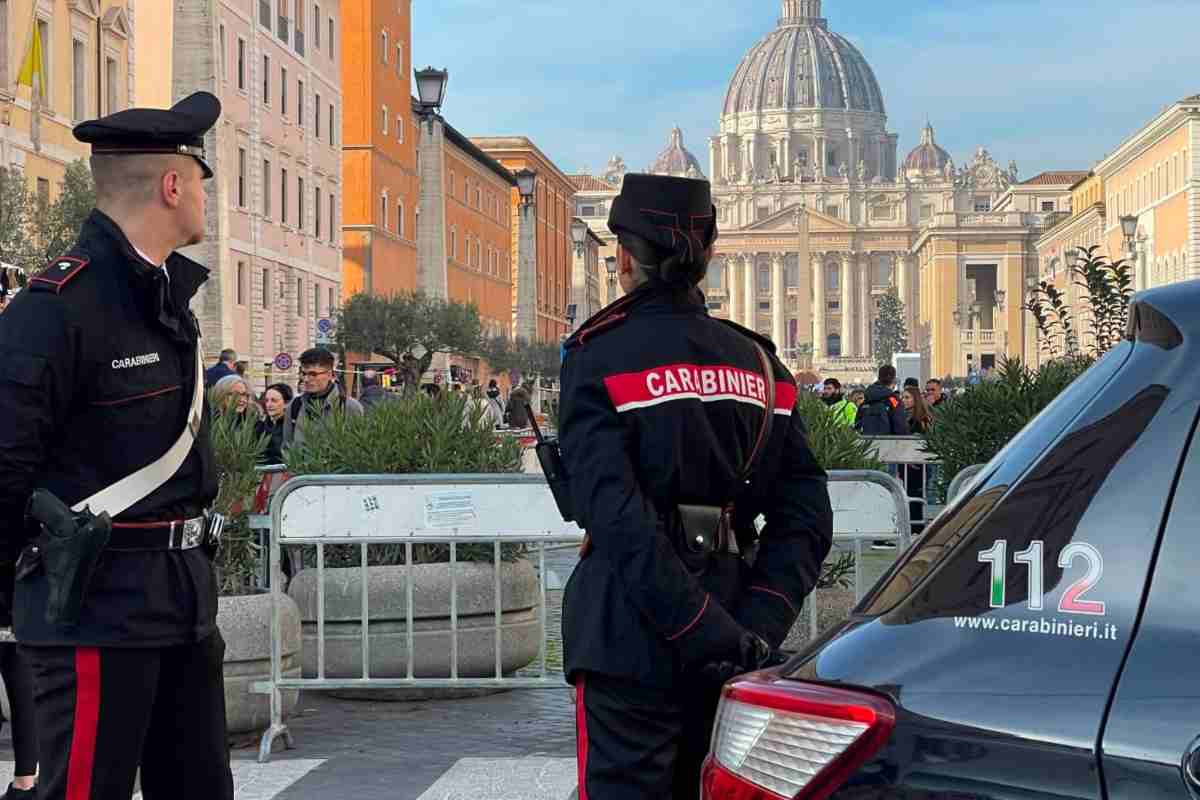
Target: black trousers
x=104, y=712
x=635, y=742
x=18, y=682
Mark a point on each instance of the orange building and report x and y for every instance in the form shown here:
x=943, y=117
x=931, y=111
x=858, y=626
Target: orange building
x=555, y=203
x=479, y=259
x=379, y=148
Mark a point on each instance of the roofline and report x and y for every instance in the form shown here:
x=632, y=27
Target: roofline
x=519, y=143
x=1173, y=116
x=467, y=146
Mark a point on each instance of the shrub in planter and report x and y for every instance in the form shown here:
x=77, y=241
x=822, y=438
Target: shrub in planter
x=416, y=434
x=977, y=424
x=244, y=614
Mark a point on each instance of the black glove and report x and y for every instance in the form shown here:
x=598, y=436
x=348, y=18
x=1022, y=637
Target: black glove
x=754, y=654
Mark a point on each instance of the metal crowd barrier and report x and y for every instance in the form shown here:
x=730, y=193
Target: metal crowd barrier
x=455, y=510
x=962, y=480
x=917, y=471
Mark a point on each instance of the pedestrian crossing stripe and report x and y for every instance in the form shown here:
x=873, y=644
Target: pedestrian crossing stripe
x=533, y=778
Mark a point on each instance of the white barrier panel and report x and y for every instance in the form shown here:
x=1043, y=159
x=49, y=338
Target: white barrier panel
x=425, y=508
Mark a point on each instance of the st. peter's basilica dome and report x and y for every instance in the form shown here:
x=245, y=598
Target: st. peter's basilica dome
x=803, y=65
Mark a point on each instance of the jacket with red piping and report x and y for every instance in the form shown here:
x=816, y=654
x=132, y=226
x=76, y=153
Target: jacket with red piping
x=660, y=406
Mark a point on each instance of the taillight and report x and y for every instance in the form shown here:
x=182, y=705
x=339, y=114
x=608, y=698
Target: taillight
x=776, y=738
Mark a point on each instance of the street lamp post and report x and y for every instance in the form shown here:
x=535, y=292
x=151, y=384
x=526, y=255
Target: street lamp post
x=527, y=256
x=610, y=264
x=431, y=221
x=1129, y=226
x=579, y=269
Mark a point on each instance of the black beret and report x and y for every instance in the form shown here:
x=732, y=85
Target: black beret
x=178, y=130
x=674, y=215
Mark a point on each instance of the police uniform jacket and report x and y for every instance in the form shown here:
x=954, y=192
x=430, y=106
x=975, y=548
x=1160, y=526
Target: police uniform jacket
x=661, y=405
x=97, y=371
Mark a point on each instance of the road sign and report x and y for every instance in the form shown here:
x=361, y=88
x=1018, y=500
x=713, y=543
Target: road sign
x=324, y=331
x=283, y=362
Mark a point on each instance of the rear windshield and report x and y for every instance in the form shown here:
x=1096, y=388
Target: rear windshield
x=959, y=528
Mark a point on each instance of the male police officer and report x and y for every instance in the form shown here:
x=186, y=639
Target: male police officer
x=99, y=364
x=663, y=410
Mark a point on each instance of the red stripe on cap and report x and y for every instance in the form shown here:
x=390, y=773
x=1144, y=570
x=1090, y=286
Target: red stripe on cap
x=581, y=737
x=87, y=721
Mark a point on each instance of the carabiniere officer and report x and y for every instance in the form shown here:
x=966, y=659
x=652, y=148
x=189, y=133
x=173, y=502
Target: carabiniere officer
x=97, y=377
x=664, y=411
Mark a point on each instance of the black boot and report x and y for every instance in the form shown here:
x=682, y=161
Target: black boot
x=14, y=793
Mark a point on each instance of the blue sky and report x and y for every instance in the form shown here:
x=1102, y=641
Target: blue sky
x=1054, y=84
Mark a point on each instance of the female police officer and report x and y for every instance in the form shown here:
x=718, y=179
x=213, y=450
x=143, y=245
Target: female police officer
x=665, y=412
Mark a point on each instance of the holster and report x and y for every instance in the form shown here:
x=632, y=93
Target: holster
x=69, y=548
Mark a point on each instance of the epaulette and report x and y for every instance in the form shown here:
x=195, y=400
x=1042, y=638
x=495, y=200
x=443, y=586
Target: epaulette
x=605, y=320
x=767, y=344
x=57, y=274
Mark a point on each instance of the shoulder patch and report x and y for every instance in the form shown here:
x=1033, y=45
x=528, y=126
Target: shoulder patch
x=58, y=274
x=893, y=402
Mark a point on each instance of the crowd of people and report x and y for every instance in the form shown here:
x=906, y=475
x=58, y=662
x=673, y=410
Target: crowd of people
x=882, y=410
x=281, y=414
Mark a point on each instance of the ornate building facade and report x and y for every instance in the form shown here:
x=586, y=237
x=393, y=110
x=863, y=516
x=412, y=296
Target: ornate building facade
x=820, y=217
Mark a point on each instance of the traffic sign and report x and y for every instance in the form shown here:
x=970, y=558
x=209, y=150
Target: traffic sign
x=325, y=326
x=283, y=362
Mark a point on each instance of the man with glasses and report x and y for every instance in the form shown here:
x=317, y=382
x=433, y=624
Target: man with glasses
x=321, y=396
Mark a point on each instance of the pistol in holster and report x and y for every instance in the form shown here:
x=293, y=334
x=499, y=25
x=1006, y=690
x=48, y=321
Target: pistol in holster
x=69, y=547
x=549, y=456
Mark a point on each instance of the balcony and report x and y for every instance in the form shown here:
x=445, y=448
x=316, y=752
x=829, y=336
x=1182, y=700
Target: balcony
x=985, y=338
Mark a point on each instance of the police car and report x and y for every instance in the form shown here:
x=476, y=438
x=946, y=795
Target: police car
x=1042, y=640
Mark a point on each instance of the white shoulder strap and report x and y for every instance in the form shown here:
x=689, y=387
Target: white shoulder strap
x=129, y=491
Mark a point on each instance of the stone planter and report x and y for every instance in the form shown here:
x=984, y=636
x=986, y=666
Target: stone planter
x=388, y=625
x=245, y=624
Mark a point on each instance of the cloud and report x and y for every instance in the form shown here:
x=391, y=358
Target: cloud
x=1050, y=85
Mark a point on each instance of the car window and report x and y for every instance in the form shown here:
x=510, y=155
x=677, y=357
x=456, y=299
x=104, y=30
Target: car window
x=960, y=519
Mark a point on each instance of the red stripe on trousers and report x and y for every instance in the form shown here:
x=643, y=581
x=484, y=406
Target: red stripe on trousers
x=87, y=721
x=581, y=739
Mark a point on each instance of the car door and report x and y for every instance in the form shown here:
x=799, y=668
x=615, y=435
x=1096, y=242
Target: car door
x=1149, y=745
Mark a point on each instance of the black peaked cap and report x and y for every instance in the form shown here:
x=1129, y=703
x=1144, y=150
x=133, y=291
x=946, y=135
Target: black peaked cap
x=675, y=215
x=178, y=130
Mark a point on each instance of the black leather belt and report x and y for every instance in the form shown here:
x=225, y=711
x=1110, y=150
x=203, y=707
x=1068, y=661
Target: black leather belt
x=179, y=534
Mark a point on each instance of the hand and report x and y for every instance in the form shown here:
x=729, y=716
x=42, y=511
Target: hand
x=754, y=654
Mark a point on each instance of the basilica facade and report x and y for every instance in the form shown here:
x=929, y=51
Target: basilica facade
x=819, y=216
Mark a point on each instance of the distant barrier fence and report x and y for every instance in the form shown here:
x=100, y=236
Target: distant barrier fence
x=918, y=471
x=496, y=511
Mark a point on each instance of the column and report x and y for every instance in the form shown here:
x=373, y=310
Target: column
x=431, y=223
x=847, y=304
x=750, y=298
x=865, y=279
x=526, y=273
x=731, y=286
x=904, y=283
x=819, y=305
x=778, y=299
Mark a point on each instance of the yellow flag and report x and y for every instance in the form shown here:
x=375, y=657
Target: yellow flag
x=31, y=69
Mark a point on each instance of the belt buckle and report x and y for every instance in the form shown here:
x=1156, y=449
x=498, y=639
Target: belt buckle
x=192, y=534
x=214, y=525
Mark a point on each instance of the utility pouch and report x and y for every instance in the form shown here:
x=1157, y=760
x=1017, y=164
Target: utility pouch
x=549, y=456
x=70, y=545
x=706, y=529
